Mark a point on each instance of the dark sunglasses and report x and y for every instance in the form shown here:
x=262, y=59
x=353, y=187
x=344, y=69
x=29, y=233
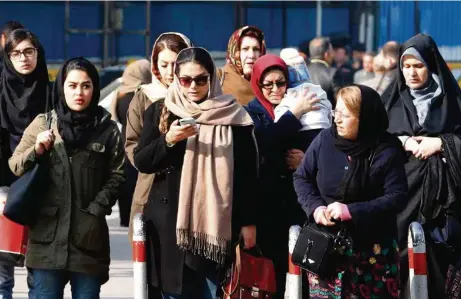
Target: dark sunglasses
x=199, y=80
x=270, y=85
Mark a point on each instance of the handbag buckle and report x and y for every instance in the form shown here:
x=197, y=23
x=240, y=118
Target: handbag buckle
x=255, y=292
x=342, y=240
x=310, y=243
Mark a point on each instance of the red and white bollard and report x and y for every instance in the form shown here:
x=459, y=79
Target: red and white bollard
x=293, y=287
x=417, y=262
x=139, y=258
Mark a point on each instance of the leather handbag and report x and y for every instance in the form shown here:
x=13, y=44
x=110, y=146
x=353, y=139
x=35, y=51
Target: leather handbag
x=25, y=194
x=250, y=277
x=13, y=243
x=315, y=250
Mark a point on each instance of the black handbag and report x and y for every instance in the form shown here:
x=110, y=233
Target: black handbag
x=315, y=250
x=24, y=197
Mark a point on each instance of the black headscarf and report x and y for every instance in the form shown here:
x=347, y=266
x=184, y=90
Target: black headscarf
x=75, y=127
x=444, y=115
x=22, y=97
x=372, y=138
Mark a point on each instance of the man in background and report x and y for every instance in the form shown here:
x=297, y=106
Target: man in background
x=342, y=64
x=390, y=53
x=321, y=57
x=367, y=72
x=303, y=50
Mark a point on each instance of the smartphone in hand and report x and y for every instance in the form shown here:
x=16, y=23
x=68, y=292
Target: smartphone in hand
x=187, y=121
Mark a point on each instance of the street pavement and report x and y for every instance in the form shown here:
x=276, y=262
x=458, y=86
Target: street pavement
x=120, y=284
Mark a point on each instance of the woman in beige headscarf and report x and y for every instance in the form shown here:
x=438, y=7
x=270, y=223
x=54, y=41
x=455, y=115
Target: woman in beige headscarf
x=164, y=52
x=135, y=74
x=245, y=46
x=205, y=174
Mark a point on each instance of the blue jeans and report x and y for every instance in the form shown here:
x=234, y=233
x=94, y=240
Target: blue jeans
x=195, y=285
x=7, y=282
x=50, y=284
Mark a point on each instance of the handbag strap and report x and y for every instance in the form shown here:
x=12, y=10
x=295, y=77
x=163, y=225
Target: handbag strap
x=238, y=268
x=48, y=120
x=48, y=103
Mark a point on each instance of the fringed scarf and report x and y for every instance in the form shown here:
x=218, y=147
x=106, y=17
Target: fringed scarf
x=206, y=189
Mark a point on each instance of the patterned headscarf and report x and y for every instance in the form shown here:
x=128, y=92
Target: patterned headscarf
x=233, y=48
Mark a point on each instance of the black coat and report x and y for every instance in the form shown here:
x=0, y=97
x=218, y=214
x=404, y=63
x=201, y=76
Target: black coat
x=318, y=180
x=165, y=260
x=280, y=208
x=434, y=186
x=328, y=77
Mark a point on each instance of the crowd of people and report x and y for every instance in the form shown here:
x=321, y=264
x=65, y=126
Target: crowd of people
x=214, y=157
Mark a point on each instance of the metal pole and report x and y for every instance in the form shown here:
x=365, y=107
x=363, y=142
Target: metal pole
x=284, y=25
x=66, y=28
x=319, y=19
x=294, y=286
x=106, y=34
x=147, y=33
x=416, y=15
x=139, y=258
x=417, y=262
x=370, y=31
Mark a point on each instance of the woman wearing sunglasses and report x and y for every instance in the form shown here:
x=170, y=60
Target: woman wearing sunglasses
x=205, y=171
x=269, y=82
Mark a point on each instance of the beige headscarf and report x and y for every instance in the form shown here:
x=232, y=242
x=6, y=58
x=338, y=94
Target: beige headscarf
x=135, y=74
x=157, y=90
x=206, y=190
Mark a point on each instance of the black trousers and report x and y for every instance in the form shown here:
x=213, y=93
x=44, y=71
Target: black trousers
x=126, y=193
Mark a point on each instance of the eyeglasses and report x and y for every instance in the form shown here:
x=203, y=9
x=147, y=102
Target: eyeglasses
x=339, y=114
x=27, y=52
x=199, y=80
x=270, y=85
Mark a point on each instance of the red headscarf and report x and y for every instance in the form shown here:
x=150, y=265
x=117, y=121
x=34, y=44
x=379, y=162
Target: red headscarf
x=261, y=65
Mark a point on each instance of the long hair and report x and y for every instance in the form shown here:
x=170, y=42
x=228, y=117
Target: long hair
x=170, y=41
x=18, y=36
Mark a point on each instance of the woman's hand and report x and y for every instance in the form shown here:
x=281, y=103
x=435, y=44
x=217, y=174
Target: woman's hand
x=249, y=236
x=305, y=102
x=427, y=147
x=178, y=133
x=321, y=218
x=293, y=158
x=44, y=142
x=338, y=211
x=411, y=145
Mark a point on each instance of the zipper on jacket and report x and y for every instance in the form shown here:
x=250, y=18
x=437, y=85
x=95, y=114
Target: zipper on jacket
x=257, y=151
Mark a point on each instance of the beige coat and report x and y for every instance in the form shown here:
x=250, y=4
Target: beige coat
x=134, y=123
x=234, y=84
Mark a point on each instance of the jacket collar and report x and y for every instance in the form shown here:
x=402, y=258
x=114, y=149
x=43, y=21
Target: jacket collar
x=255, y=106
